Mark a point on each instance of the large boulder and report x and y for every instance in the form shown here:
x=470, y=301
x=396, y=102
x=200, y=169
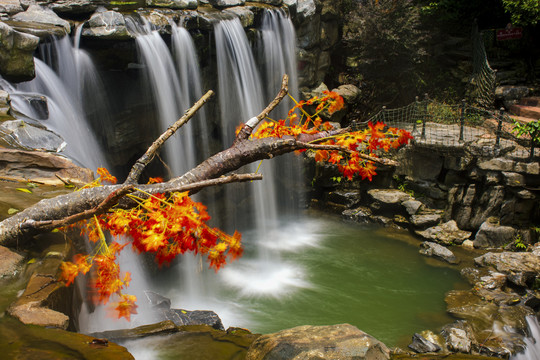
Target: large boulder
x=433, y=249
x=16, y=54
x=519, y=268
x=41, y=167
x=492, y=235
x=343, y=342
x=226, y=3
x=41, y=15
x=9, y=262
x=107, y=25
x=10, y=7
x=173, y=4
x=67, y=7
x=25, y=136
x=447, y=233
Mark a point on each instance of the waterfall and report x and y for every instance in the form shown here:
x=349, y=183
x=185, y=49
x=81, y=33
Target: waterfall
x=532, y=350
x=66, y=96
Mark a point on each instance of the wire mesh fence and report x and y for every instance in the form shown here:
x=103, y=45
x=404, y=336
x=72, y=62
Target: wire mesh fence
x=452, y=128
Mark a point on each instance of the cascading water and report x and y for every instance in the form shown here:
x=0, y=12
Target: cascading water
x=65, y=96
x=532, y=350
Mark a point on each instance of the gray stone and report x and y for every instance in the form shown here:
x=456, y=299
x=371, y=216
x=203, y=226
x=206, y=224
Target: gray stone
x=457, y=163
x=494, y=280
x=519, y=267
x=292, y=5
x=161, y=328
x=173, y=4
x=513, y=179
x=41, y=167
x=16, y=53
x=343, y=342
x=425, y=220
x=107, y=25
x=388, y=196
x=25, y=136
x=447, y=233
x=516, y=212
x=526, y=194
x=269, y=2
x=493, y=235
x=348, y=198
x=9, y=262
x=421, y=345
x=412, y=206
x=360, y=214
x=305, y=9
x=350, y=93
x=457, y=340
x=436, y=250
x=511, y=92
x=307, y=67
x=10, y=7
x=246, y=16
x=492, y=177
x=38, y=14
x=36, y=105
x=468, y=244
x=67, y=7
x=226, y=3
x=308, y=32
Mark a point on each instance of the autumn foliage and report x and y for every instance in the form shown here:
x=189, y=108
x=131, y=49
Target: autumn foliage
x=170, y=225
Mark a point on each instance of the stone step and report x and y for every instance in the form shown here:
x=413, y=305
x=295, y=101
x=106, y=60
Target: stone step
x=526, y=111
x=530, y=101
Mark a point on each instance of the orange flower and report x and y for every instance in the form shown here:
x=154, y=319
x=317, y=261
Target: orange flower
x=126, y=306
x=105, y=176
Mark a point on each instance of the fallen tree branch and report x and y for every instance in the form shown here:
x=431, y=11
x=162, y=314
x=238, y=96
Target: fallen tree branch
x=51, y=213
x=103, y=207
x=148, y=156
x=247, y=129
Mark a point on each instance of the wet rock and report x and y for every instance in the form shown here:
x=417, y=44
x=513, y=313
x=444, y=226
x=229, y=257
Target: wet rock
x=37, y=106
x=107, y=25
x=439, y=251
x=425, y=220
x=162, y=328
x=388, y=196
x=360, y=214
x=10, y=7
x=41, y=167
x=447, y=233
x=341, y=341
x=162, y=311
x=468, y=306
x=494, y=280
x=245, y=15
x=348, y=198
x=349, y=92
x=67, y=7
x=16, y=54
x=457, y=340
x=421, y=345
x=9, y=262
x=472, y=275
x=173, y=4
x=35, y=342
x=493, y=235
x=269, y=2
x=25, y=136
x=468, y=244
x=40, y=15
x=412, y=206
x=305, y=9
x=520, y=268
x=226, y=3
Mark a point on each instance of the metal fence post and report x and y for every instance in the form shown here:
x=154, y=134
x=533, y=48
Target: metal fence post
x=499, y=127
x=462, y=120
x=425, y=116
x=416, y=113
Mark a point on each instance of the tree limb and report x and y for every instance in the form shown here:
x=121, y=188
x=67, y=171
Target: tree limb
x=247, y=129
x=382, y=161
x=144, y=160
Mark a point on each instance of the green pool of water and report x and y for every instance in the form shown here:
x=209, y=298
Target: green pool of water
x=374, y=279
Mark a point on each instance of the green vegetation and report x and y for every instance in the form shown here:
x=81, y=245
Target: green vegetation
x=523, y=12
x=530, y=129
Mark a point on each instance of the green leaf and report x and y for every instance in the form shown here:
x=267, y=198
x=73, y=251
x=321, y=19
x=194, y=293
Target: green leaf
x=12, y=211
x=24, y=190
x=69, y=186
x=32, y=185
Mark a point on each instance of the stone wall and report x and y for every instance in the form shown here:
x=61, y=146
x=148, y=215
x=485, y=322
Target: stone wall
x=493, y=199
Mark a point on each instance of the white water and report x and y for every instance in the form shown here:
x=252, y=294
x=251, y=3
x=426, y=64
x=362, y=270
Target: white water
x=65, y=90
x=532, y=352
